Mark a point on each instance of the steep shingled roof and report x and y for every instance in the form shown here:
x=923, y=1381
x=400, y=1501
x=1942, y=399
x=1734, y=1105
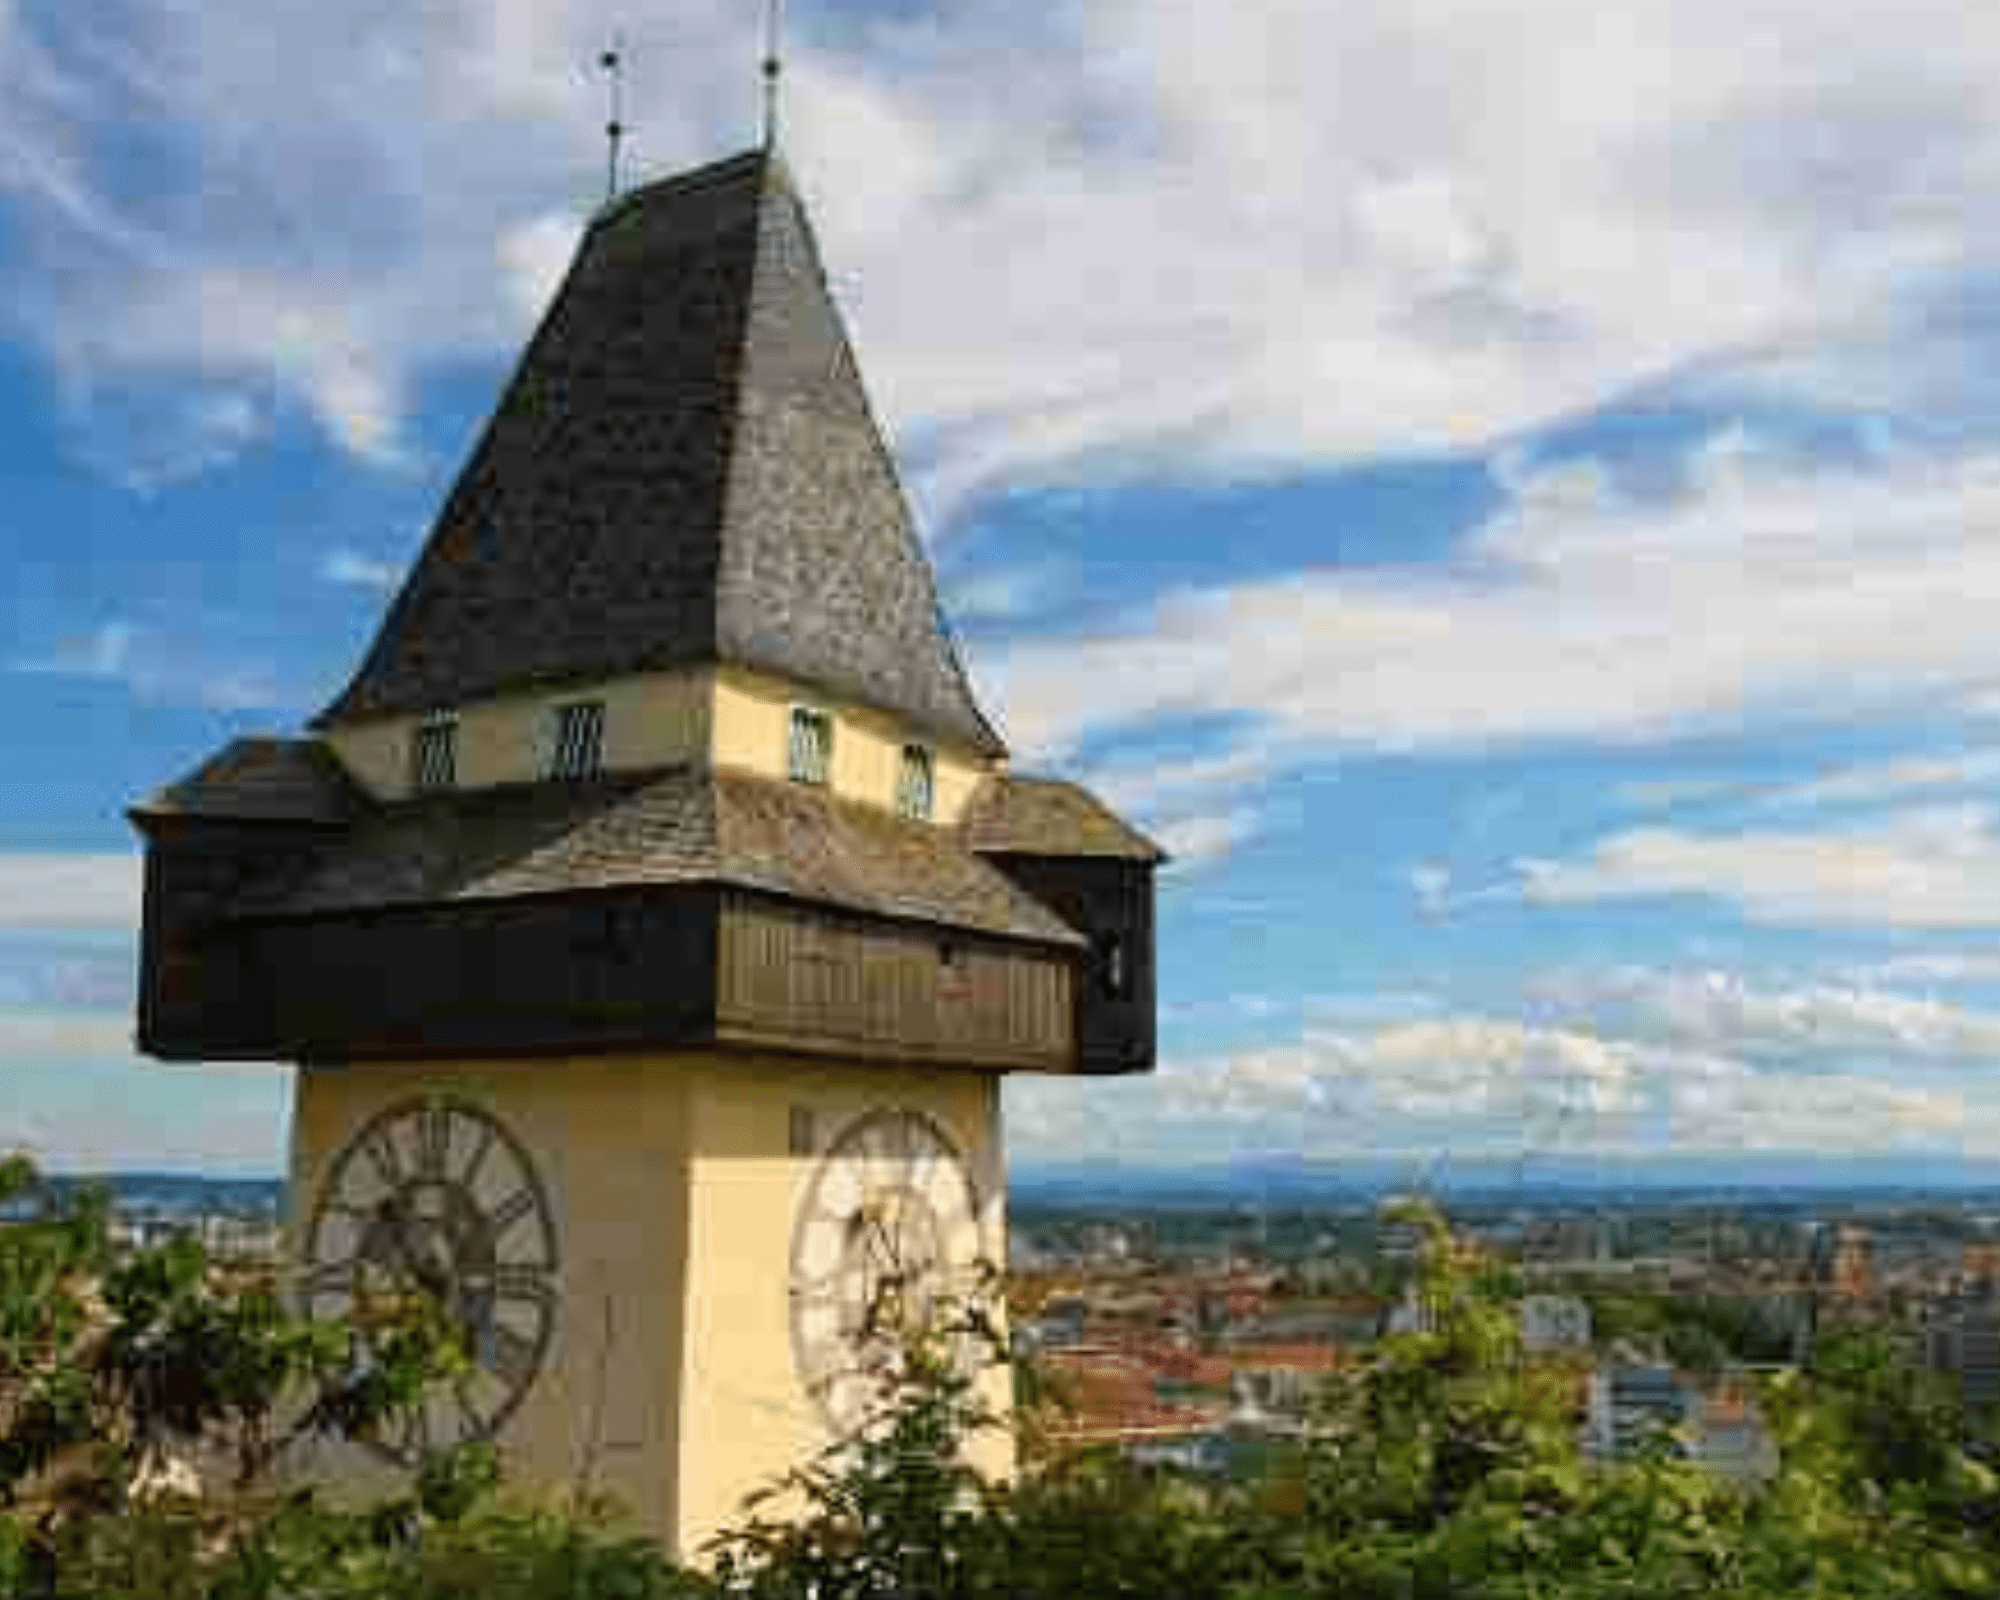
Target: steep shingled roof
x=684, y=468
x=678, y=825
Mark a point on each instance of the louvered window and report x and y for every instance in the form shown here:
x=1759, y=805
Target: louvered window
x=812, y=745
x=434, y=753
x=578, y=747
x=916, y=783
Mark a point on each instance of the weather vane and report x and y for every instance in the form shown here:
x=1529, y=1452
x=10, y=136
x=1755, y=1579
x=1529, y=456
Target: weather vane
x=774, y=34
x=612, y=62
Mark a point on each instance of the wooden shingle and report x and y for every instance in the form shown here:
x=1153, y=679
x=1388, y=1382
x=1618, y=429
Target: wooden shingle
x=261, y=780
x=1017, y=816
x=674, y=826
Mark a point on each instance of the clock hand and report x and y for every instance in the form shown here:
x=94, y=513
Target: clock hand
x=892, y=1241
x=425, y=1275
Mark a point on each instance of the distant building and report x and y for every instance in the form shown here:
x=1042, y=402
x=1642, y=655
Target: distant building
x=1281, y=1380
x=1979, y=1265
x=1058, y=1324
x=1554, y=1322
x=1270, y=1391
x=1343, y=1324
x=1208, y=1453
x=1411, y=1314
x=1730, y=1437
x=1396, y=1239
x=1962, y=1338
x=1850, y=1271
x=1234, y=1448
x=1628, y=1404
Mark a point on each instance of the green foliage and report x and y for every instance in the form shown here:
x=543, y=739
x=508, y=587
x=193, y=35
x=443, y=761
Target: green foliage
x=111, y=1366
x=1700, y=1332
x=1446, y=1464
x=889, y=1506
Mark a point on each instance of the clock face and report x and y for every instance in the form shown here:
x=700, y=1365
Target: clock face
x=435, y=1197
x=889, y=1220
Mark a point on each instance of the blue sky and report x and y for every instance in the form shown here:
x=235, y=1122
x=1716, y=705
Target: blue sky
x=1508, y=495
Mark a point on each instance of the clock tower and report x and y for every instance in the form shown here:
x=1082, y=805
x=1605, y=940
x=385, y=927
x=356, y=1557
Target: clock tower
x=654, y=914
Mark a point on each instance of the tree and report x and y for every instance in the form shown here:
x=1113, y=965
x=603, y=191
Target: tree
x=113, y=1367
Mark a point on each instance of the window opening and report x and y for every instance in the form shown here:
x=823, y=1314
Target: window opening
x=802, y=1131
x=434, y=753
x=579, y=740
x=812, y=745
x=1111, y=952
x=916, y=786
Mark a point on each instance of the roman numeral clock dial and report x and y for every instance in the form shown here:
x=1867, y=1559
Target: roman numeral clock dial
x=435, y=1197
x=887, y=1229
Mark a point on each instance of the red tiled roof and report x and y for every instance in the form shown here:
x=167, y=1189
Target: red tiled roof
x=1301, y=1355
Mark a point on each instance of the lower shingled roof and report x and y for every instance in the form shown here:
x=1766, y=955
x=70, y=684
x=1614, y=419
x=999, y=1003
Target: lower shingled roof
x=682, y=825
x=1012, y=815
x=261, y=780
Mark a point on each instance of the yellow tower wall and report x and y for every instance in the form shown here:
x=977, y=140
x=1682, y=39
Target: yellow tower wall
x=608, y=1139
x=670, y=1379
x=746, y=1416
x=752, y=730
x=650, y=720
x=728, y=716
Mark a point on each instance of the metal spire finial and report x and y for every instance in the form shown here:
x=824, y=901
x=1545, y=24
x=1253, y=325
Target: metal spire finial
x=774, y=38
x=612, y=62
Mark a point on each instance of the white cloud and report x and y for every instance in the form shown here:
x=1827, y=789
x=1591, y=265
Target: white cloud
x=1664, y=794
x=1928, y=868
x=1821, y=1026
x=1232, y=242
x=354, y=570
x=533, y=255
x=1875, y=781
x=1860, y=783
x=1483, y=1084
x=1204, y=836
x=1168, y=781
x=55, y=891
x=154, y=670
x=1937, y=966
x=1431, y=883
x=154, y=432
x=1007, y=594
x=1759, y=588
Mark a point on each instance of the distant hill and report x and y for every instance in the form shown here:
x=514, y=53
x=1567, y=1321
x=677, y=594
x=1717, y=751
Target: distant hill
x=1541, y=1180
